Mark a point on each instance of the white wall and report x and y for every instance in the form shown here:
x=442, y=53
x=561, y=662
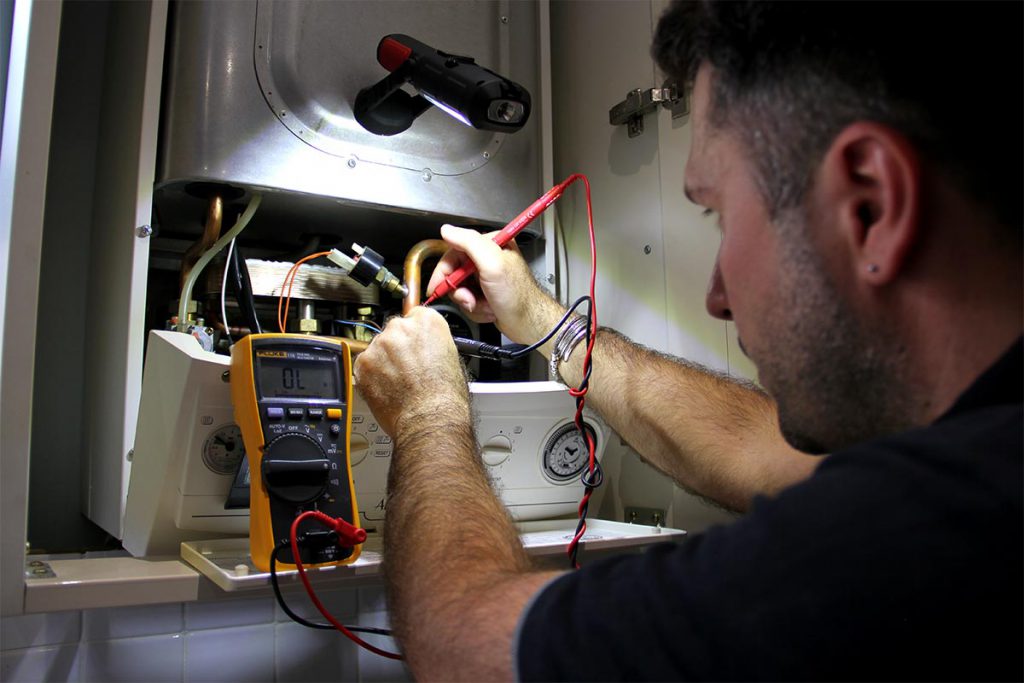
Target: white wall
x=655, y=250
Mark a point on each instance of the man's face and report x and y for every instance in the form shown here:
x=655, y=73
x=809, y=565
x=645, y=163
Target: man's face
x=771, y=278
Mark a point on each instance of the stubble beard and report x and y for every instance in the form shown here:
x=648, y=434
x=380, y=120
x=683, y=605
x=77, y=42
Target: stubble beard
x=836, y=379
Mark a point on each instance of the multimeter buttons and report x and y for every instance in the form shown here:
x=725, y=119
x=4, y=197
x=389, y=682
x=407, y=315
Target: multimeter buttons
x=295, y=468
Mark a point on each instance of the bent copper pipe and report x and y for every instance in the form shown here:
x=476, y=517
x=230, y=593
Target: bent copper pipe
x=214, y=221
x=412, y=271
x=356, y=346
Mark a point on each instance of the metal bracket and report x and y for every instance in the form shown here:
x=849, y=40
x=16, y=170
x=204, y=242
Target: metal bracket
x=648, y=516
x=638, y=103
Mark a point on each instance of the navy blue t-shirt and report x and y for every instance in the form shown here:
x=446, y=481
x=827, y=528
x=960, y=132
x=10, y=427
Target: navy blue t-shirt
x=899, y=559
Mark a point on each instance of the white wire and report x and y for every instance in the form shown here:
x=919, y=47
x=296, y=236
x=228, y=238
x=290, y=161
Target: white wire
x=190, y=281
x=224, y=291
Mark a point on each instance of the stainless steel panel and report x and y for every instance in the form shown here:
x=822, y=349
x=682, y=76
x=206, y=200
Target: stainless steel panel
x=260, y=94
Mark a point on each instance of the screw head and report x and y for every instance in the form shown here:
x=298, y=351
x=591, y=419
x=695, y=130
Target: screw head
x=647, y=249
x=144, y=230
x=427, y=175
x=504, y=20
x=351, y=163
x=551, y=278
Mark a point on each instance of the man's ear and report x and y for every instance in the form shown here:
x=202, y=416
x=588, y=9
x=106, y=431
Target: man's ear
x=871, y=176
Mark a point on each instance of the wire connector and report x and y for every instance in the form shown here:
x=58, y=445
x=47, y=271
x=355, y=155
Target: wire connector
x=370, y=268
x=342, y=260
x=349, y=535
x=472, y=347
x=367, y=267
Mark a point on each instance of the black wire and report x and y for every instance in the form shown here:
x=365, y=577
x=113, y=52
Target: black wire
x=243, y=288
x=536, y=345
x=295, y=617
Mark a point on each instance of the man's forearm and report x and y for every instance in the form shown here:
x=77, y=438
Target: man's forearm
x=449, y=547
x=710, y=433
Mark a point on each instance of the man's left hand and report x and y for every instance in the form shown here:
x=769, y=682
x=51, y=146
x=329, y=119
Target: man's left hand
x=411, y=372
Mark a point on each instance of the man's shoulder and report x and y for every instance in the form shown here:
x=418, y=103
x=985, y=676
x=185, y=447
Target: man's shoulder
x=981, y=447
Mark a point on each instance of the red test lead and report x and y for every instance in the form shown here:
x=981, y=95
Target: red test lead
x=456, y=278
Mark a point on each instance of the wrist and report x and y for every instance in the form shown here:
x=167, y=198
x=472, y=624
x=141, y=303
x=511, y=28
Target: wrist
x=573, y=333
x=433, y=417
x=540, y=316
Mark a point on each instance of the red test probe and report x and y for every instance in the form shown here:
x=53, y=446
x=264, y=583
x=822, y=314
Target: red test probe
x=457, y=277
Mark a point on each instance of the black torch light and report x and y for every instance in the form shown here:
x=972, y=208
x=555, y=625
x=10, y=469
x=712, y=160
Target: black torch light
x=458, y=85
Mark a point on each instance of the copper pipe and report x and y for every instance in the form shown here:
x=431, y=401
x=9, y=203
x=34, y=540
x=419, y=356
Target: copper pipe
x=214, y=222
x=356, y=346
x=420, y=252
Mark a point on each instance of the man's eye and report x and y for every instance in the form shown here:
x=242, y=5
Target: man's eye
x=707, y=212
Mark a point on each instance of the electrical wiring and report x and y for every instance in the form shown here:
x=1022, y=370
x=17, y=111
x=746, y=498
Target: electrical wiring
x=593, y=476
x=298, y=619
x=224, y=290
x=360, y=323
x=286, y=289
x=554, y=330
x=478, y=349
x=309, y=514
x=243, y=290
x=190, y=281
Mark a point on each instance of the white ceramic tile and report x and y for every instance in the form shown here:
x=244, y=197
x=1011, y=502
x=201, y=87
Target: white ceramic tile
x=341, y=603
x=35, y=630
x=127, y=622
x=373, y=667
x=309, y=655
x=156, y=659
x=238, y=655
x=227, y=613
x=58, y=664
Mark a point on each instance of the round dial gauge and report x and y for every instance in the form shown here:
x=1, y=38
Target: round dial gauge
x=224, y=449
x=565, y=454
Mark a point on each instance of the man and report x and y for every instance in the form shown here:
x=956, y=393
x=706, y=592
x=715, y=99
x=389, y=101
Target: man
x=869, y=201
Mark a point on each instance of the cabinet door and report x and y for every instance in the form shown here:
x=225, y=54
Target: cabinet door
x=123, y=198
x=31, y=72
x=655, y=250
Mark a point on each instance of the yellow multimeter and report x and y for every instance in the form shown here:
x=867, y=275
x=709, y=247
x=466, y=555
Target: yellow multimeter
x=291, y=395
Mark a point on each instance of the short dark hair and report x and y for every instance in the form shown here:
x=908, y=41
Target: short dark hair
x=789, y=76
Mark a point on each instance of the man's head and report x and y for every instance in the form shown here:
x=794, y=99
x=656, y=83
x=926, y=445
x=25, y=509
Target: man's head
x=825, y=136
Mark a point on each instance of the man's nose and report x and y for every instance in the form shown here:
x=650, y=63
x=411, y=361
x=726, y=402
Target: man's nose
x=717, y=303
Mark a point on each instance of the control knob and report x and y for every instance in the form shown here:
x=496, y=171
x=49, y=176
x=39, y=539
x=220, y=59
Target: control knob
x=295, y=468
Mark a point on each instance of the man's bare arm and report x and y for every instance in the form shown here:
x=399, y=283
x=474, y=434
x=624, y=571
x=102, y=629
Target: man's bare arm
x=712, y=434
x=457, y=574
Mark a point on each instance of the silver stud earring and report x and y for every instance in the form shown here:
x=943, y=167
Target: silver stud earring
x=872, y=268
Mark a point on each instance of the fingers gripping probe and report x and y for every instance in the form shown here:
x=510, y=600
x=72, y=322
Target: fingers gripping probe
x=457, y=277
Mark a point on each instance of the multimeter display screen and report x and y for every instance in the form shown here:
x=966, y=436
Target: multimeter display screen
x=310, y=377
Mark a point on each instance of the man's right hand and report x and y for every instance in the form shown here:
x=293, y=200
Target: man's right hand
x=505, y=291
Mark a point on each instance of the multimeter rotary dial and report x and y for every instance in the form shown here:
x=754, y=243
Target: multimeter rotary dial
x=565, y=453
x=295, y=468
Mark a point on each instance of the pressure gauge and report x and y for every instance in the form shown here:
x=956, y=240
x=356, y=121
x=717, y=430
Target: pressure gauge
x=566, y=454
x=224, y=449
